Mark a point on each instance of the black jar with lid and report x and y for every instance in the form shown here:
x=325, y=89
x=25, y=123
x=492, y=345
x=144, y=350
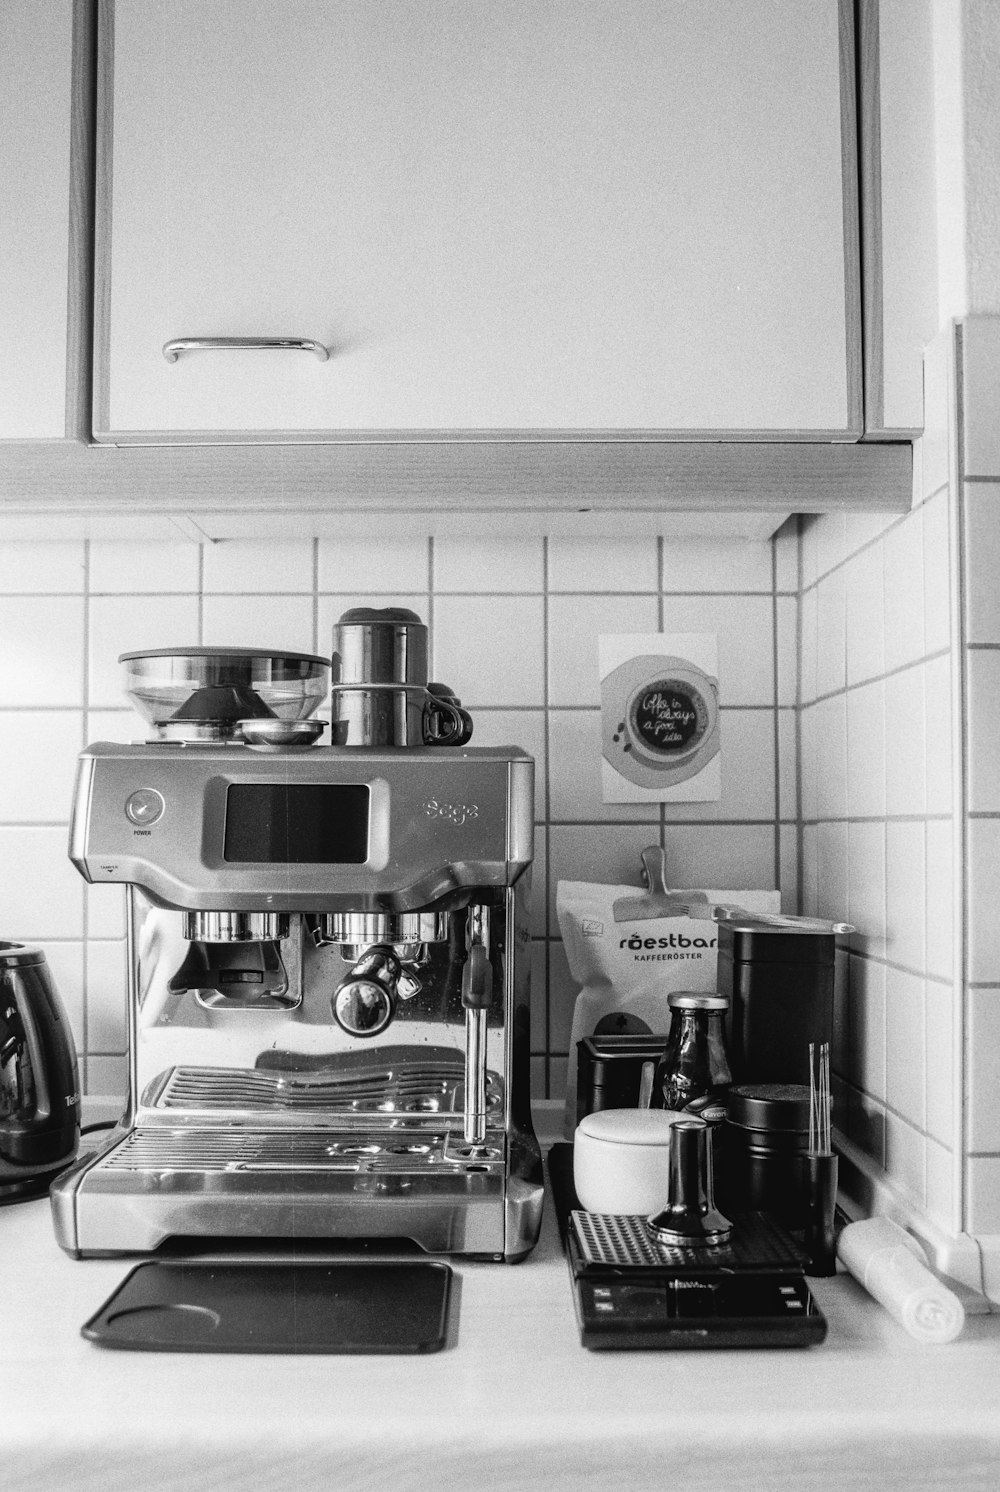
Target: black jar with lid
x=766, y=1136
x=778, y=975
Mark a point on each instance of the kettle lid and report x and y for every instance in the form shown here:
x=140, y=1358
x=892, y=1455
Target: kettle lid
x=19, y=955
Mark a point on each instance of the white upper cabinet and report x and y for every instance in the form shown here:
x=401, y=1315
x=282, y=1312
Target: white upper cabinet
x=500, y=218
x=40, y=280
x=900, y=210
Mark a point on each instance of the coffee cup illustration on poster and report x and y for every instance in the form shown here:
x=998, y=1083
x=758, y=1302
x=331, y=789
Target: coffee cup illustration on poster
x=660, y=717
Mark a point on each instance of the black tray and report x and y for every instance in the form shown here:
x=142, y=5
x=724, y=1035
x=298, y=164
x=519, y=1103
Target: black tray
x=630, y=1292
x=189, y=1306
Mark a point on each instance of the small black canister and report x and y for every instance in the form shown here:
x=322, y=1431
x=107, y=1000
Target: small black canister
x=766, y=1135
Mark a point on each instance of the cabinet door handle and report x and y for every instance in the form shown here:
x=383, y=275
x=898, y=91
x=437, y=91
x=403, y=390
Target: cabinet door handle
x=172, y=350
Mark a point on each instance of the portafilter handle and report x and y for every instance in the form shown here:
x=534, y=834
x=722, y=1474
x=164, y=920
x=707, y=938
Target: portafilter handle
x=363, y=1004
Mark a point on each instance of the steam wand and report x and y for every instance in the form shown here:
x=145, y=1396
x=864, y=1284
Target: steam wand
x=477, y=997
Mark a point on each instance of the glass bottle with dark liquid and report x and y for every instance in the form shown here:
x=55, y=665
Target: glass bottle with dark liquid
x=693, y=1075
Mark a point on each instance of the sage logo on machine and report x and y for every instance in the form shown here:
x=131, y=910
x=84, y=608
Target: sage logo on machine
x=660, y=718
x=455, y=813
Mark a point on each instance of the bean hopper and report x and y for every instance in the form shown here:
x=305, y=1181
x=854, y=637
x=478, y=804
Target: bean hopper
x=327, y=957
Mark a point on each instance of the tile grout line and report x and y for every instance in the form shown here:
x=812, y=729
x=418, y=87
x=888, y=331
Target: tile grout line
x=315, y=595
x=84, y=728
x=961, y=1056
x=481, y=709
x=882, y=678
x=881, y=818
x=431, y=594
x=201, y=595
x=890, y=1111
x=660, y=608
x=547, y=802
x=877, y=961
x=841, y=564
x=776, y=717
x=799, y=648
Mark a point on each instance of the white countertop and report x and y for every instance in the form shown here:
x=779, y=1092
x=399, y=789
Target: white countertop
x=513, y=1402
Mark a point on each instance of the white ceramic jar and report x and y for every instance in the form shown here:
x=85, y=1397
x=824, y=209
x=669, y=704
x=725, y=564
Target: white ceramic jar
x=620, y=1160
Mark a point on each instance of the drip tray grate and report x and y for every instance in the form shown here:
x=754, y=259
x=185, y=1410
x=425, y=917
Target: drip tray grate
x=161, y=1149
x=414, y=1087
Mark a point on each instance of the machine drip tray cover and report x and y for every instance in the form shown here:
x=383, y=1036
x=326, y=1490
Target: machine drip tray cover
x=191, y=1306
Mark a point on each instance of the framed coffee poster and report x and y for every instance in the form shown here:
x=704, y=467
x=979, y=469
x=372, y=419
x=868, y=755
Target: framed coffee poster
x=660, y=717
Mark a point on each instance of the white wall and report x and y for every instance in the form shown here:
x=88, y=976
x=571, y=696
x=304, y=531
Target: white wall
x=976, y=500
x=514, y=627
x=901, y=807
x=879, y=821
x=966, y=42
x=848, y=671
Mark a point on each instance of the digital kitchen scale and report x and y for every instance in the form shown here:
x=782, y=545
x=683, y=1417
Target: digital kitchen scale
x=632, y=1292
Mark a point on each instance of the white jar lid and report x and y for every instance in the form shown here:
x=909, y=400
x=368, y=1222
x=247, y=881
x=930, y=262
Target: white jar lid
x=630, y=1126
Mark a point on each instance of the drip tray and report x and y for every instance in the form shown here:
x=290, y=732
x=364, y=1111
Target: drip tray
x=186, y=1306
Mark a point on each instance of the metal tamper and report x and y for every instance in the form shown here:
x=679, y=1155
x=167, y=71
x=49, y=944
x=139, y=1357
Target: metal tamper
x=690, y=1218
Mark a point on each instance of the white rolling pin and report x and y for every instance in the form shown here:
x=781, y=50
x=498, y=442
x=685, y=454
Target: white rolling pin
x=892, y=1267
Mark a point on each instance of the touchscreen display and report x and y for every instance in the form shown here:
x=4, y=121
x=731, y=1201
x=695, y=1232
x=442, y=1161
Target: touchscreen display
x=277, y=823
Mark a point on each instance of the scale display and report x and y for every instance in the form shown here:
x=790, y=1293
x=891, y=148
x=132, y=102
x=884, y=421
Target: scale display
x=280, y=823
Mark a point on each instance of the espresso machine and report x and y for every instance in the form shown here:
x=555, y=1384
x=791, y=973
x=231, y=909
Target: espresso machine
x=328, y=952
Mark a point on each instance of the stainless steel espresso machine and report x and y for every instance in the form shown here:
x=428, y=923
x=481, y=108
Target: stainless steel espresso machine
x=328, y=958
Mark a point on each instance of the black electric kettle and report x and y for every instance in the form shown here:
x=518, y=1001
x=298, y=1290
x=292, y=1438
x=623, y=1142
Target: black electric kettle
x=39, y=1093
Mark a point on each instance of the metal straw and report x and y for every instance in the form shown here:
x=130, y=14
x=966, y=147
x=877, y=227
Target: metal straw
x=820, y=1105
x=820, y=1169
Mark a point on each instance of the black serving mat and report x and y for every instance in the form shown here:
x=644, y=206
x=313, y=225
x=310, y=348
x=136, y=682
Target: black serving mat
x=345, y=1307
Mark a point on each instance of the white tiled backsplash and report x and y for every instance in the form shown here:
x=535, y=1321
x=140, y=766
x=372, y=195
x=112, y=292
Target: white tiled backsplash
x=878, y=821
x=857, y=657
x=514, y=627
x=900, y=799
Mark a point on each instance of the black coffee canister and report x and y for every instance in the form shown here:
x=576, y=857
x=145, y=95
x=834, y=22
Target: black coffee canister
x=766, y=1136
x=779, y=979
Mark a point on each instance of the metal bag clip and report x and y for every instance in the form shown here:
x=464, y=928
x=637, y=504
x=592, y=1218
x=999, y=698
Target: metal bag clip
x=659, y=901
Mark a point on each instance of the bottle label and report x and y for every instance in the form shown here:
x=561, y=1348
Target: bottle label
x=707, y=1108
